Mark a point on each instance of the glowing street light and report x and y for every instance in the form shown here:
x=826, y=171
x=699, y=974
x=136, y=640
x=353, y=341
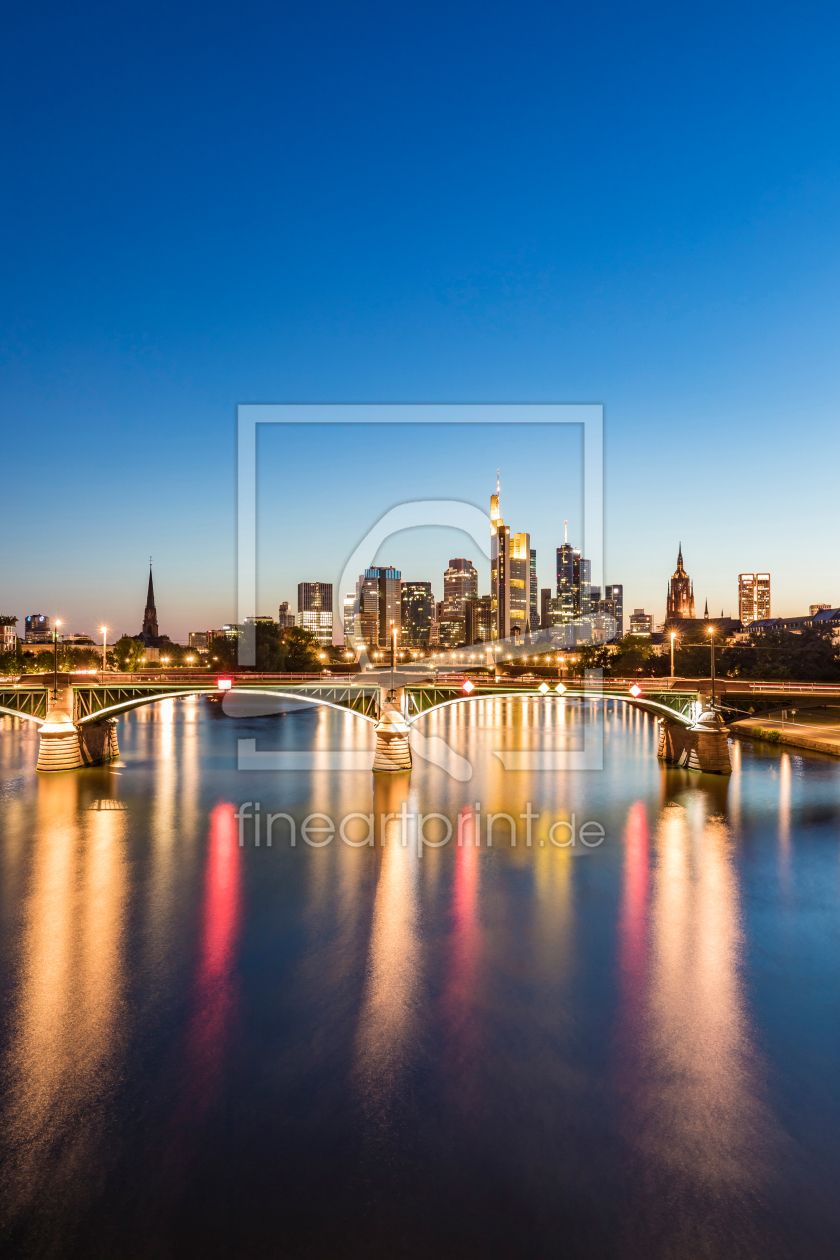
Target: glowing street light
x=103, y=630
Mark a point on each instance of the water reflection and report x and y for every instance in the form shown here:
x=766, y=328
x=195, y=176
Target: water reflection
x=215, y=990
x=389, y=1003
x=690, y=1083
x=68, y=1019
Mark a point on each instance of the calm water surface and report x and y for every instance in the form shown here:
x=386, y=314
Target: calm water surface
x=209, y=1050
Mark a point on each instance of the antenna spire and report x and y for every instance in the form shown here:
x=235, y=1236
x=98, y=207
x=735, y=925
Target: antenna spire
x=497, y=481
x=566, y=532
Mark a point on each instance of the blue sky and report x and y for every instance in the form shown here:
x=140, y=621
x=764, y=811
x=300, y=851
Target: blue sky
x=620, y=204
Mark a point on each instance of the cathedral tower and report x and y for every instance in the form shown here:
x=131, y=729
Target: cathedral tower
x=680, y=593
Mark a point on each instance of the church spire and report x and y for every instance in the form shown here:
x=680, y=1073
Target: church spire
x=706, y=611
x=149, y=633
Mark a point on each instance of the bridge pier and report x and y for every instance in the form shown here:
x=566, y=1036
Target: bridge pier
x=703, y=746
x=64, y=745
x=393, y=751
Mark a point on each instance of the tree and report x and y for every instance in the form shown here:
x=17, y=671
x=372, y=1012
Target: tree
x=127, y=653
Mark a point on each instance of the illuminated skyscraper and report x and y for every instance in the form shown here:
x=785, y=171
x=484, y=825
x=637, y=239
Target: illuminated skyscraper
x=416, y=613
x=520, y=583
x=315, y=610
x=680, y=593
x=753, y=597
x=477, y=620
x=615, y=595
x=533, y=602
x=573, y=584
x=460, y=582
x=380, y=605
x=499, y=570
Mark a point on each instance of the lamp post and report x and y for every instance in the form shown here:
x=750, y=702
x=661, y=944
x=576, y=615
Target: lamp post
x=104, y=630
x=673, y=636
x=55, y=660
x=712, y=641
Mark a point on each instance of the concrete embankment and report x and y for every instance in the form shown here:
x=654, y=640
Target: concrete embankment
x=794, y=734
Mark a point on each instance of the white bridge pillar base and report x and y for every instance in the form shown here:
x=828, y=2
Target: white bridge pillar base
x=392, y=747
x=65, y=746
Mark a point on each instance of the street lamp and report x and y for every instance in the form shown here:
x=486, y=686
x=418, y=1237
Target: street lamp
x=712, y=642
x=55, y=660
x=673, y=636
x=104, y=632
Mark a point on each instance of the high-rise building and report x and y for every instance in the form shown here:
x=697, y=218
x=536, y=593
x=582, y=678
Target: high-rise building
x=533, y=603
x=641, y=622
x=753, y=597
x=460, y=582
x=477, y=620
x=520, y=583
x=285, y=616
x=149, y=633
x=315, y=610
x=199, y=639
x=573, y=583
x=545, y=612
x=350, y=628
x=380, y=605
x=37, y=629
x=680, y=593
x=416, y=613
x=499, y=570
x=615, y=594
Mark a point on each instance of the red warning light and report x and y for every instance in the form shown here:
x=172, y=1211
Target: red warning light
x=224, y=684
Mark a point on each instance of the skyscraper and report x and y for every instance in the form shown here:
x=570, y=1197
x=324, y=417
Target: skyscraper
x=416, y=613
x=499, y=570
x=753, y=597
x=315, y=610
x=615, y=594
x=520, y=583
x=380, y=605
x=460, y=582
x=477, y=620
x=285, y=616
x=573, y=582
x=680, y=593
x=533, y=603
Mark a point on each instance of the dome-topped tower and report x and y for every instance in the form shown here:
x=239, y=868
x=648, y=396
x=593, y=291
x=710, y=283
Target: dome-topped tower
x=680, y=592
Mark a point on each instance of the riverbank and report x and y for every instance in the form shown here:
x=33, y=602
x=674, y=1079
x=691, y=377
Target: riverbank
x=816, y=732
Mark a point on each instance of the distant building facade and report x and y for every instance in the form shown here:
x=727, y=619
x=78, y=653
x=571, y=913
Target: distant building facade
x=753, y=597
x=285, y=616
x=641, y=622
x=37, y=629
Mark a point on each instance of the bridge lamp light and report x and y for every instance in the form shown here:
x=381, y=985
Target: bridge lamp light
x=635, y=690
x=224, y=684
x=543, y=687
x=468, y=687
x=559, y=689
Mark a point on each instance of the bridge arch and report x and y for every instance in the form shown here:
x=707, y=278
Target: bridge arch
x=651, y=706
x=137, y=702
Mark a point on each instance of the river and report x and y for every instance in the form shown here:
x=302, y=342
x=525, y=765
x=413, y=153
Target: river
x=620, y=1043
